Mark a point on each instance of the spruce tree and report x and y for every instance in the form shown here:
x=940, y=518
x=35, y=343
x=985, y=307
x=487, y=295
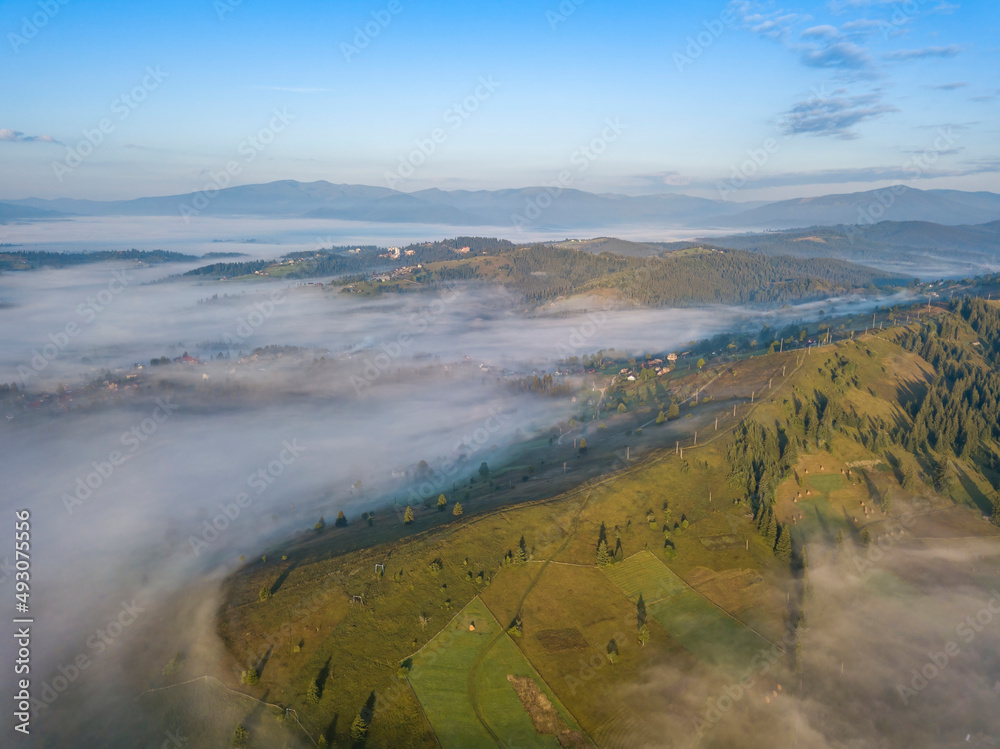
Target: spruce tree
x=603, y=558
x=783, y=546
x=408, y=516
x=359, y=729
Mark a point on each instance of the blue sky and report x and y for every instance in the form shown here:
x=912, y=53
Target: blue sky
x=739, y=100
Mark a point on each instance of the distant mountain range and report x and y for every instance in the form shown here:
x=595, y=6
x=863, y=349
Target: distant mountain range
x=534, y=207
x=920, y=248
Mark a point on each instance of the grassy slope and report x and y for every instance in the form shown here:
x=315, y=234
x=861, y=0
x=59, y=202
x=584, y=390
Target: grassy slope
x=719, y=555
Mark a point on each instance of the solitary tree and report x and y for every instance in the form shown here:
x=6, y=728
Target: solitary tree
x=701, y=363
x=250, y=677
x=457, y=509
x=408, y=517
x=673, y=411
x=660, y=418
x=603, y=558
x=241, y=737
x=321, y=524
x=643, y=635
x=312, y=694
x=359, y=729
x=341, y=521
x=264, y=593
x=484, y=470
x=442, y=503
x=583, y=446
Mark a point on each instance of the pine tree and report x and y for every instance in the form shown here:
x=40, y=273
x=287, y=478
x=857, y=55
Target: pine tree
x=359, y=729
x=783, y=546
x=457, y=509
x=603, y=558
x=660, y=418
x=312, y=694
x=442, y=503
x=408, y=516
x=772, y=527
x=341, y=521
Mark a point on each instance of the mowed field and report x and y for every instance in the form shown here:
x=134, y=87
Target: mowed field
x=461, y=668
x=700, y=626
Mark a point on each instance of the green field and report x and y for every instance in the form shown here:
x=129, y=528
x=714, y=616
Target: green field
x=700, y=626
x=440, y=678
x=826, y=482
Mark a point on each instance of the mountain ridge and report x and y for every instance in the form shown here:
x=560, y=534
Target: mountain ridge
x=535, y=206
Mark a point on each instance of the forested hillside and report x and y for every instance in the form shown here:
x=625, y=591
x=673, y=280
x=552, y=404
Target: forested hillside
x=701, y=276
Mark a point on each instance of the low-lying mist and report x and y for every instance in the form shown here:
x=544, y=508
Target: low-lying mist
x=146, y=486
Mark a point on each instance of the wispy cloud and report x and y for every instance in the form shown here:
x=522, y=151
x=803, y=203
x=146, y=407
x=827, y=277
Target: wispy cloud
x=821, y=32
x=839, y=6
x=948, y=86
x=775, y=25
x=840, y=55
x=835, y=116
x=16, y=136
x=918, y=54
